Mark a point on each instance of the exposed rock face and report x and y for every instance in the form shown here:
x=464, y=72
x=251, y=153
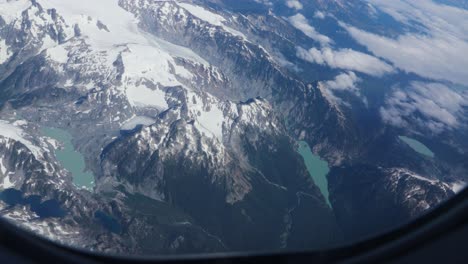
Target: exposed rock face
x=254, y=185
x=205, y=160
x=187, y=113
x=370, y=200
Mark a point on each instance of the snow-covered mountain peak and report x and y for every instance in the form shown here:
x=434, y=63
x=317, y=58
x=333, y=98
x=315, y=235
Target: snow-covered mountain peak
x=104, y=48
x=190, y=111
x=11, y=10
x=104, y=23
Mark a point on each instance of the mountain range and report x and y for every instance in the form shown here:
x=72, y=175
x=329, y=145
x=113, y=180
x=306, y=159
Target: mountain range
x=188, y=114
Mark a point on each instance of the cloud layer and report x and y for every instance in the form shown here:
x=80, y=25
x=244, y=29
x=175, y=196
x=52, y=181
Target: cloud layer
x=347, y=59
x=344, y=82
x=300, y=22
x=440, y=58
x=295, y=4
x=437, y=51
x=430, y=105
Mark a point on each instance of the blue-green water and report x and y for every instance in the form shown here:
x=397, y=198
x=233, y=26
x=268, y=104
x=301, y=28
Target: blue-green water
x=46, y=209
x=318, y=168
x=70, y=159
x=418, y=146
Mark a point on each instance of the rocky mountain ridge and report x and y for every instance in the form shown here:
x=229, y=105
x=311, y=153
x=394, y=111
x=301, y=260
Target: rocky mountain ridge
x=187, y=114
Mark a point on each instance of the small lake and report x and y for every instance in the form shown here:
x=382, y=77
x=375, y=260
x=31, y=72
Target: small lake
x=109, y=222
x=318, y=168
x=418, y=146
x=70, y=159
x=46, y=209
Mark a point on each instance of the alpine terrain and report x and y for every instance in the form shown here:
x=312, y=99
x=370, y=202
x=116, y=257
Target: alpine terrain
x=146, y=127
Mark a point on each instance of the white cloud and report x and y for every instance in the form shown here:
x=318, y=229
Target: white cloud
x=295, y=4
x=346, y=81
x=300, y=22
x=283, y=61
x=440, y=58
x=428, y=105
x=347, y=59
x=264, y=2
x=435, y=17
x=319, y=15
x=436, y=52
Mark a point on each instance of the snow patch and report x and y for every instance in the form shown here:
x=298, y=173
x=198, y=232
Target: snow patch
x=58, y=54
x=11, y=131
x=111, y=32
x=423, y=178
x=209, y=17
x=4, y=53
x=7, y=183
x=3, y=169
x=177, y=51
x=142, y=96
x=47, y=43
x=458, y=186
x=20, y=123
x=141, y=61
x=10, y=10
x=209, y=118
x=136, y=121
x=121, y=25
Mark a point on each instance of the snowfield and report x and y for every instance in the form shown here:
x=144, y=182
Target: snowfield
x=11, y=131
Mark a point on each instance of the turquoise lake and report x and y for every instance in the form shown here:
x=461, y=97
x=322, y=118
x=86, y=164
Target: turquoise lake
x=318, y=168
x=418, y=146
x=70, y=159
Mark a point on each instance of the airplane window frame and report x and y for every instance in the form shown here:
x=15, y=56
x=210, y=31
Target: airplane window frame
x=450, y=216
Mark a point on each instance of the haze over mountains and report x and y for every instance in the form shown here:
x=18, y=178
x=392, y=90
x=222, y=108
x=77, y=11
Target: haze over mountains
x=189, y=114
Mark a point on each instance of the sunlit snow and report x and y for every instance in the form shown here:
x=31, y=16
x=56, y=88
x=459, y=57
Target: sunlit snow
x=144, y=96
x=10, y=10
x=4, y=53
x=58, y=54
x=209, y=17
x=136, y=121
x=111, y=30
x=10, y=131
x=210, y=121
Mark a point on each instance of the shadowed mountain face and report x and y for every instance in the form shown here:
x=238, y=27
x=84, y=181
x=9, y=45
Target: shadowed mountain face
x=189, y=114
